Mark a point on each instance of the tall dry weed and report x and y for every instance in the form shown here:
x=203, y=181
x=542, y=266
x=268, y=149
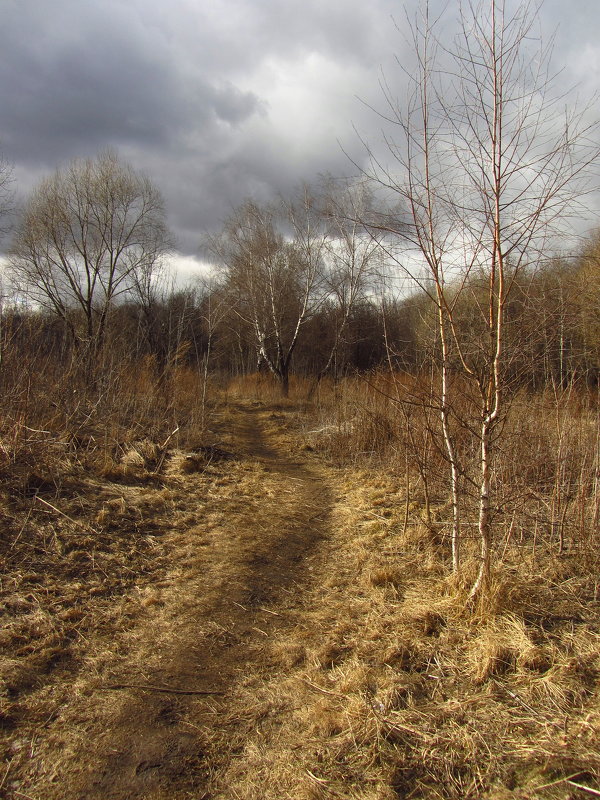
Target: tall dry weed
x=545, y=477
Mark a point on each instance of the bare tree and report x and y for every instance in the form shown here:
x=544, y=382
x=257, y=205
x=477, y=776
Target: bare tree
x=6, y=201
x=487, y=165
x=351, y=255
x=274, y=280
x=6, y=194
x=213, y=308
x=89, y=234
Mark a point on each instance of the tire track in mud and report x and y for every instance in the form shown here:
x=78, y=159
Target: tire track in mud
x=213, y=636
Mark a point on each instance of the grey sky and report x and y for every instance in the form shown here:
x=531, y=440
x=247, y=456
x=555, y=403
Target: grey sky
x=217, y=100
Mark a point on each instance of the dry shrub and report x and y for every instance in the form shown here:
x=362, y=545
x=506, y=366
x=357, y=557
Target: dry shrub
x=545, y=486
x=140, y=456
x=356, y=421
x=60, y=425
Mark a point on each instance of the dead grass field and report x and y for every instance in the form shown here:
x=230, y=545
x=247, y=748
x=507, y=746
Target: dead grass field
x=246, y=621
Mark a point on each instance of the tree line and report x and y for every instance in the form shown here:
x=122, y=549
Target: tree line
x=305, y=284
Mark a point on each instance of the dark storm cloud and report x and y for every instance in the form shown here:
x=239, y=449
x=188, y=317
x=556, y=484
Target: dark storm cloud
x=74, y=83
x=172, y=86
x=214, y=99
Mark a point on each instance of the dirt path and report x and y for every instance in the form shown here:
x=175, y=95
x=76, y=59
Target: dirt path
x=159, y=725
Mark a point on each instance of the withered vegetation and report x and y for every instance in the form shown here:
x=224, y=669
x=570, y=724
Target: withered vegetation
x=252, y=610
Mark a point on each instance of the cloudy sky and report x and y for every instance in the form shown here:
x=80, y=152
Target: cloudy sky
x=217, y=100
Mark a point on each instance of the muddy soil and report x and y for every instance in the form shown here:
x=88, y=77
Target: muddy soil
x=160, y=720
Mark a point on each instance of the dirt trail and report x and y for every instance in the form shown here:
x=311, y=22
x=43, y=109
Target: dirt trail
x=160, y=725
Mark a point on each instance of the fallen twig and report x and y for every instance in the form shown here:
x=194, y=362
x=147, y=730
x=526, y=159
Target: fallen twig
x=407, y=728
x=5, y=776
x=168, y=439
x=321, y=689
x=266, y=610
x=518, y=699
x=62, y=513
x=163, y=451
x=167, y=689
x=584, y=788
x=322, y=783
x=556, y=782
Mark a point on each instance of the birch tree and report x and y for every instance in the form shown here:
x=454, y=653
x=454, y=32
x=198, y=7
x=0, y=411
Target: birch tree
x=488, y=164
x=351, y=255
x=274, y=281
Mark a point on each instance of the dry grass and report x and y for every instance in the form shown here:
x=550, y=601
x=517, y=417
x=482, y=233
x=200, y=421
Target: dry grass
x=354, y=670
x=86, y=506
x=394, y=686
x=546, y=491
x=390, y=687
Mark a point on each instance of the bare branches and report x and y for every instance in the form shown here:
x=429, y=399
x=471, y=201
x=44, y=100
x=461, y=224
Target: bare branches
x=287, y=264
x=274, y=279
x=89, y=234
x=487, y=172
